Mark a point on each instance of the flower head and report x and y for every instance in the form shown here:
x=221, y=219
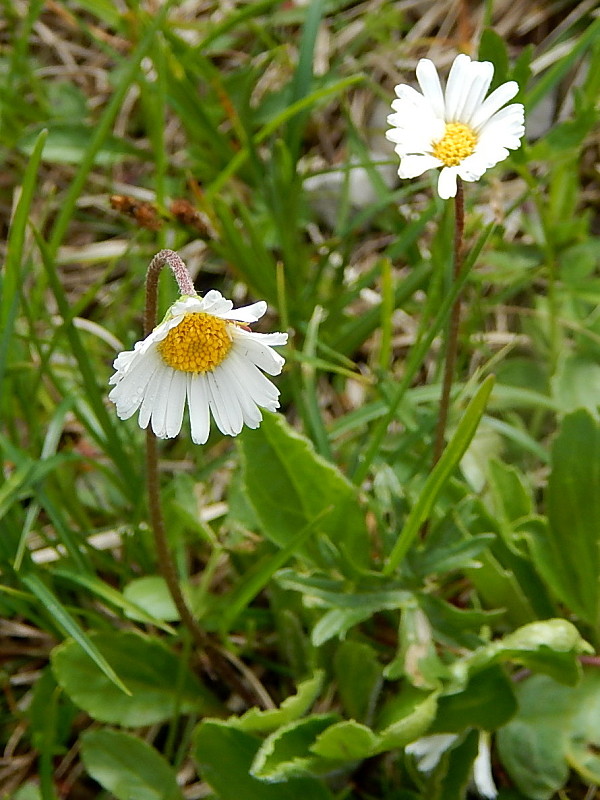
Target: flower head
x=202, y=351
x=458, y=130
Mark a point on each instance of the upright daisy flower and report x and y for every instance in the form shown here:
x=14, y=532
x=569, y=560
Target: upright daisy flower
x=203, y=352
x=458, y=130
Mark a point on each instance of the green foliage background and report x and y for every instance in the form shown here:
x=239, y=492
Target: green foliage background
x=364, y=599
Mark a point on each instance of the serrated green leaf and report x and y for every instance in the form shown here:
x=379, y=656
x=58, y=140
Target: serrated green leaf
x=551, y=646
x=346, y=741
x=160, y=684
x=290, y=709
x=288, y=484
x=128, y=767
x=287, y=752
x=224, y=757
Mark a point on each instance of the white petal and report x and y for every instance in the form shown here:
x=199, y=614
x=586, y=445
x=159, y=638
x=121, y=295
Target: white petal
x=231, y=381
x=176, y=404
x=506, y=125
x=495, y=101
x=250, y=313
x=262, y=391
x=197, y=393
x=457, y=86
x=155, y=387
x=482, y=769
x=231, y=404
x=214, y=303
x=483, y=72
x=430, y=86
x=226, y=412
x=474, y=166
x=408, y=95
x=254, y=347
x=185, y=305
x=130, y=390
x=413, y=166
x=158, y=420
x=447, y=183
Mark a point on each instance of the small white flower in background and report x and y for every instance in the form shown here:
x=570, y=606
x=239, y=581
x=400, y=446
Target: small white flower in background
x=429, y=749
x=482, y=768
x=202, y=351
x=458, y=130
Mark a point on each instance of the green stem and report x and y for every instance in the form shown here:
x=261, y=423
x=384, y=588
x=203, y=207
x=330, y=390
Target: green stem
x=452, y=341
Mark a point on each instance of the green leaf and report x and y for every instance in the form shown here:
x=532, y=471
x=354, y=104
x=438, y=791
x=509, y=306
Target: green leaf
x=161, y=686
x=82, y=643
x=551, y=646
x=346, y=741
x=512, y=500
x=566, y=551
x=141, y=609
x=455, y=449
x=12, y=279
x=576, y=384
x=417, y=659
x=290, y=709
x=127, y=766
x=555, y=728
x=225, y=756
x=406, y=717
x=359, y=677
x=492, y=47
x=288, y=484
x=458, y=769
x=149, y=597
x=487, y=702
x=287, y=752
x=338, y=622
x=67, y=143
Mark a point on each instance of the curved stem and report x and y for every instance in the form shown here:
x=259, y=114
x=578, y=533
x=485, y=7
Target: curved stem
x=219, y=664
x=452, y=340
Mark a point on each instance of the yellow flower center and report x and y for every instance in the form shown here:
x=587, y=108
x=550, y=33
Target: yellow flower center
x=456, y=144
x=198, y=344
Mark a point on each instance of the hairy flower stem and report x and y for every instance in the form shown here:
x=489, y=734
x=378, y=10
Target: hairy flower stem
x=218, y=662
x=452, y=339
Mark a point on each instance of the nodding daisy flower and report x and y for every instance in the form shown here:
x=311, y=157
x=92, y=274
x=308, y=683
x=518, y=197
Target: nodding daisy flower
x=203, y=352
x=458, y=130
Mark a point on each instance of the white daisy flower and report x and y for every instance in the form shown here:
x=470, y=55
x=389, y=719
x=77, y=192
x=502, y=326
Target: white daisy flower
x=204, y=351
x=458, y=130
